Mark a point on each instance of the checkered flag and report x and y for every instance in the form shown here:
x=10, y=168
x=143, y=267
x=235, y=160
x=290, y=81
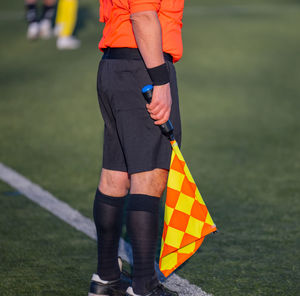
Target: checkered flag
x=187, y=220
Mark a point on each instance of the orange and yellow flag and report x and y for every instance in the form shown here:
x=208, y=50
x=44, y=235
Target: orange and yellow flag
x=187, y=220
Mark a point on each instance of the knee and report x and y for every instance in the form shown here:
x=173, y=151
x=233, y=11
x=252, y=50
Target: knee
x=114, y=183
x=158, y=185
x=150, y=183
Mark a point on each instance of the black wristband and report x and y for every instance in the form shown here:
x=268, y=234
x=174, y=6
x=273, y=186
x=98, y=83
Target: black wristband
x=159, y=75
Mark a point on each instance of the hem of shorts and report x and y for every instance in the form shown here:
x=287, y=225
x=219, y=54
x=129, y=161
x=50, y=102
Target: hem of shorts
x=147, y=169
x=115, y=169
x=139, y=170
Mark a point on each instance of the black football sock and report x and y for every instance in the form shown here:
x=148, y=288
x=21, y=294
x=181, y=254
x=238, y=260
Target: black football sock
x=48, y=12
x=31, y=13
x=108, y=220
x=142, y=228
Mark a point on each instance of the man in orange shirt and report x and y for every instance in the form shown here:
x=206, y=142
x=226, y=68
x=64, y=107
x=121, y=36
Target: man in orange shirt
x=141, y=41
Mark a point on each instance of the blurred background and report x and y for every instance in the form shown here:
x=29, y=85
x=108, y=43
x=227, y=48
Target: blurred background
x=239, y=85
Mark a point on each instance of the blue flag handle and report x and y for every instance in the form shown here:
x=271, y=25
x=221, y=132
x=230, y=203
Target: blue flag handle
x=167, y=127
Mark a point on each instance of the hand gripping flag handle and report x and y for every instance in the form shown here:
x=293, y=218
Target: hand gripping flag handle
x=186, y=218
x=167, y=127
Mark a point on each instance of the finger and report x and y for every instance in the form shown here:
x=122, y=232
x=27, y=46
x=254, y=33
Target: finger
x=160, y=122
x=163, y=119
x=158, y=116
x=157, y=110
x=158, y=105
x=153, y=105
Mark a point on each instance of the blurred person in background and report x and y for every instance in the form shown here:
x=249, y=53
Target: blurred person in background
x=39, y=27
x=65, y=23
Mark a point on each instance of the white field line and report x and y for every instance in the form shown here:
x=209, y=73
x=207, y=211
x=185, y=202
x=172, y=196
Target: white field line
x=17, y=15
x=71, y=216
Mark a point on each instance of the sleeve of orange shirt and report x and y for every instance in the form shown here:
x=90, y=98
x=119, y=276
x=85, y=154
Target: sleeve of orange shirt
x=143, y=5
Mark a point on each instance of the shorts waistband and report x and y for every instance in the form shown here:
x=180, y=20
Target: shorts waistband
x=126, y=53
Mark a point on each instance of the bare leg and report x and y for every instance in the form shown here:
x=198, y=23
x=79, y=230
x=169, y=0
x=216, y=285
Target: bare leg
x=114, y=183
x=46, y=2
x=117, y=183
x=151, y=183
x=49, y=2
x=30, y=2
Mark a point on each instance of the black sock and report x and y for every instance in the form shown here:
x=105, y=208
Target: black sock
x=142, y=228
x=48, y=12
x=31, y=13
x=108, y=220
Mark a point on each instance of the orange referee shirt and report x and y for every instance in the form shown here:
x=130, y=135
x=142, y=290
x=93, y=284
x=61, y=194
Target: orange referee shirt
x=118, y=29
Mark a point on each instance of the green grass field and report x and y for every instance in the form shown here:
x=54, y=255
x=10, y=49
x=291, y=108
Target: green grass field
x=239, y=89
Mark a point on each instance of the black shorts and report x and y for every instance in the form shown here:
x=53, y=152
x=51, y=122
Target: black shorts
x=132, y=142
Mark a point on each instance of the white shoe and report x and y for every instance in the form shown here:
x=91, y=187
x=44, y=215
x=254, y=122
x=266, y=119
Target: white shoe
x=130, y=292
x=57, y=30
x=69, y=42
x=46, y=29
x=99, y=287
x=160, y=290
x=33, y=31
